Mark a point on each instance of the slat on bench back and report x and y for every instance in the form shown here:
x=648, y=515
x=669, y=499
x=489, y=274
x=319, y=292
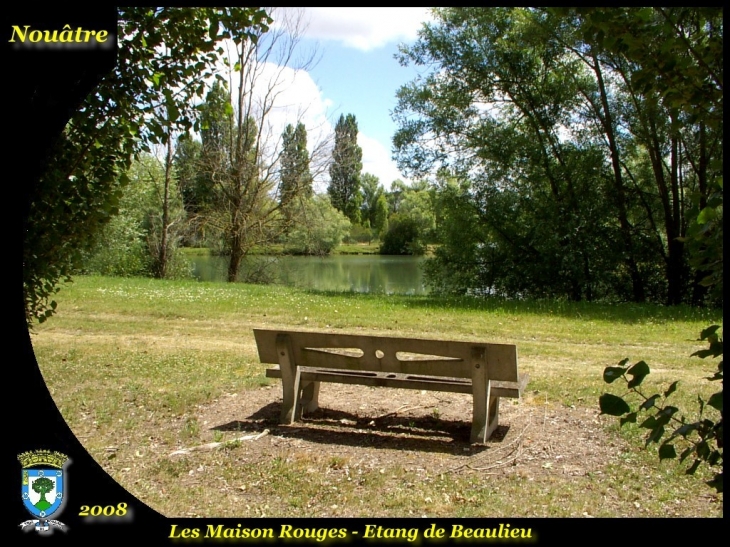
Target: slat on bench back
x=455, y=362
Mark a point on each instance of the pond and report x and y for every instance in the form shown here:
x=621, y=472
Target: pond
x=356, y=273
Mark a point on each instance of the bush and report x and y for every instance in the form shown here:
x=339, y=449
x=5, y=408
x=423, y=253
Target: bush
x=119, y=250
x=320, y=229
x=359, y=234
x=403, y=238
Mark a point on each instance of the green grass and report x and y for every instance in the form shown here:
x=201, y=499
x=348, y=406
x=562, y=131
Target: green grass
x=139, y=356
x=358, y=249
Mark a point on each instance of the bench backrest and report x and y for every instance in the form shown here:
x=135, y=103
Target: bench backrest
x=447, y=358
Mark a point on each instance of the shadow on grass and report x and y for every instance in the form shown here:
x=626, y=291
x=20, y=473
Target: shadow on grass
x=390, y=432
x=621, y=312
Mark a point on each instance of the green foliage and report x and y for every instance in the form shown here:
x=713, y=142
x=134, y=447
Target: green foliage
x=320, y=229
x=129, y=244
x=344, y=186
x=410, y=229
x=296, y=179
x=380, y=222
x=403, y=237
x=667, y=426
x=120, y=249
x=678, y=60
x=580, y=169
x=194, y=189
x=705, y=241
x=359, y=234
x=81, y=187
x=371, y=192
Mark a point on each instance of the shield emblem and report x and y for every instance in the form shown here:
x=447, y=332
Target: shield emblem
x=42, y=491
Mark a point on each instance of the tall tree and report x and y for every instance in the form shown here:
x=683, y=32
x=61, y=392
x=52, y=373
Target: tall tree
x=371, y=191
x=112, y=125
x=494, y=112
x=241, y=155
x=580, y=169
x=294, y=173
x=344, y=187
x=380, y=222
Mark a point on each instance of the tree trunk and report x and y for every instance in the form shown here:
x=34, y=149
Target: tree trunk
x=162, y=257
x=607, y=122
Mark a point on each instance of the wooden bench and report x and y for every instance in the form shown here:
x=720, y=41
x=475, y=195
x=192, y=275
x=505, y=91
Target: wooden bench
x=305, y=359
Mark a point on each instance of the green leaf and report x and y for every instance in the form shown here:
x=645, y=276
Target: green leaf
x=666, y=451
x=613, y=405
x=638, y=372
x=610, y=374
x=649, y=423
x=707, y=214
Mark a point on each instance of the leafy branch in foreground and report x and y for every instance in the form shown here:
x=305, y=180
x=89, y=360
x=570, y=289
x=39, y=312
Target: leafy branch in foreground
x=702, y=438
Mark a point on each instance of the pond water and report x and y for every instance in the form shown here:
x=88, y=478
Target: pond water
x=356, y=273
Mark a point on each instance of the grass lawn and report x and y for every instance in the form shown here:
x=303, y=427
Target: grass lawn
x=136, y=364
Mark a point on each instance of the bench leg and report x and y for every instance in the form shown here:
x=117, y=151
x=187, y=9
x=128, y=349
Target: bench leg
x=290, y=378
x=310, y=398
x=480, y=391
x=493, y=416
x=483, y=420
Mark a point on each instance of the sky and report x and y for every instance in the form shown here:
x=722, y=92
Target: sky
x=355, y=73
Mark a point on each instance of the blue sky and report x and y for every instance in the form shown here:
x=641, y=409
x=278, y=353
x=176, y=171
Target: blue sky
x=357, y=73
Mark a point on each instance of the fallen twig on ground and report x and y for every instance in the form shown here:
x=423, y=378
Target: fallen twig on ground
x=516, y=441
x=212, y=446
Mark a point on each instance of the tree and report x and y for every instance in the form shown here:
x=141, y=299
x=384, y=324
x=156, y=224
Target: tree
x=380, y=224
x=371, y=192
x=296, y=178
x=241, y=156
x=43, y=486
x=129, y=244
x=395, y=195
x=80, y=188
x=411, y=228
x=678, y=57
x=581, y=175
x=320, y=229
x=344, y=187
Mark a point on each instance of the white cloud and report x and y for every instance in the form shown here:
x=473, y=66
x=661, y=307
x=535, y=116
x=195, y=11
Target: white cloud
x=376, y=159
x=365, y=28
x=300, y=99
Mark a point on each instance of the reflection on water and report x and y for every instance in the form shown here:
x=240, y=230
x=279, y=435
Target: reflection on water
x=357, y=273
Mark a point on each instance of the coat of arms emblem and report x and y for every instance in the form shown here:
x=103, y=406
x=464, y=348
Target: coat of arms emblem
x=42, y=487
